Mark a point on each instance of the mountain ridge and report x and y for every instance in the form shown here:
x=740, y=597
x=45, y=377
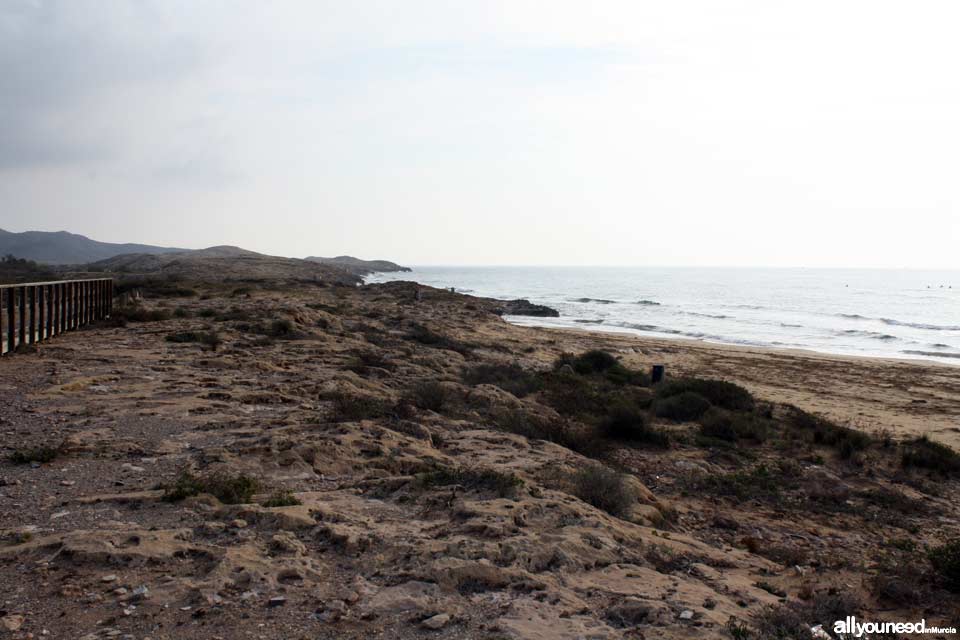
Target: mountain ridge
x=64, y=247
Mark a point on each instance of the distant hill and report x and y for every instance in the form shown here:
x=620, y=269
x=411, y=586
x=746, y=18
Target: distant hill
x=61, y=247
x=222, y=263
x=358, y=266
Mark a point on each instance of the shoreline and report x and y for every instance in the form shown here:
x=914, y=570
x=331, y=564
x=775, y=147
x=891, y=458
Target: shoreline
x=801, y=351
x=844, y=325
x=909, y=398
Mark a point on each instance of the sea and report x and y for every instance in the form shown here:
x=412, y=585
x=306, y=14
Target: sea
x=861, y=312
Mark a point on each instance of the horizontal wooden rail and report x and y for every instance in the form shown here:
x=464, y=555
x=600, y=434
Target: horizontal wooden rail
x=35, y=311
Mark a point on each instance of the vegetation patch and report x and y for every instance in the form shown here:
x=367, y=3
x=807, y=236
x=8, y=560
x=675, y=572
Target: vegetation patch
x=430, y=396
x=945, y=560
x=284, y=498
x=682, y=407
x=821, y=431
x=761, y=482
x=207, y=338
x=716, y=392
x=605, y=489
x=732, y=427
x=350, y=407
x=625, y=422
x=226, y=487
x=472, y=479
x=424, y=335
x=923, y=453
x=601, y=363
x=509, y=377
x=34, y=454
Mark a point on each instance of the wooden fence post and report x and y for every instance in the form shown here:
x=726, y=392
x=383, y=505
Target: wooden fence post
x=11, y=320
x=22, y=328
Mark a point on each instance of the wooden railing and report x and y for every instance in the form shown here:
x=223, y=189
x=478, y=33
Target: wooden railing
x=36, y=311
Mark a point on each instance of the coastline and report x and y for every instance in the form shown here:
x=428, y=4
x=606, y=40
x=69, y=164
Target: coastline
x=403, y=444
x=908, y=397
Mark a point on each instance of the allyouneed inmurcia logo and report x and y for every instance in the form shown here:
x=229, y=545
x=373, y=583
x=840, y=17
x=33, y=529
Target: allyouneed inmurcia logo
x=851, y=628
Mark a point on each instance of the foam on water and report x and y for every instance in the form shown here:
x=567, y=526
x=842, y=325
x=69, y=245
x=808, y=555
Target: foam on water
x=888, y=313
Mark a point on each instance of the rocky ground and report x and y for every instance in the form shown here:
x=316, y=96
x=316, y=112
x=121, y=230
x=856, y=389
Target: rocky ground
x=340, y=462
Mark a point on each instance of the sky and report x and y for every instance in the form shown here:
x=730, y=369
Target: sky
x=767, y=133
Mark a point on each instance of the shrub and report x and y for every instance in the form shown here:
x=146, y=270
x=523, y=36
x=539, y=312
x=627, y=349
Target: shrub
x=281, y=328
x=575, y=395
x=348, y=408
x=283, y=498
x=430, y=396
x=682, y=407
x=717, y=392
x=844, y=439
x=760, y=483
x=425, y=335
x=945, y=560
x=626, y=423
x=364, y=361
x=605, y=489
x=208, y=338
x=595, y=361
x=723, y=425
x=503, y=484
x=575, y=437
x=510, y=377
x=226, y=487
x=926, y=454
x=36, y=454
x=793, y=620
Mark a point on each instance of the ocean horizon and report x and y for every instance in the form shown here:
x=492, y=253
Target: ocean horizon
x=889, y=313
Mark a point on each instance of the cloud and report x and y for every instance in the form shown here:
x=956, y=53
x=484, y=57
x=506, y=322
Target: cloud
x=71, y=72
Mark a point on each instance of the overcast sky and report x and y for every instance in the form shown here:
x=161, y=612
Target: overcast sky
x=674, y=132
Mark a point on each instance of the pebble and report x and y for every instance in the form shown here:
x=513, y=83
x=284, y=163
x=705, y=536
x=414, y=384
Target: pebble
x=130, y=467
x=11, y=622
x=239, y=523
x=686, y=614
x=436, y=622
x=68, y=483
x=277, y=601
x=109, y=578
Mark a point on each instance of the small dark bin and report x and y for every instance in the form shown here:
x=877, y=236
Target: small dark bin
x=656, y=373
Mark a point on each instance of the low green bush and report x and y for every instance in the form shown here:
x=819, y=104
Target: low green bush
x=923, y=453
x=605, y=489
x=717, y=392
x=732, y=427
x=845, y=440
x=625, y=422
x=283, y=498
x=595, y=361
x=228, y=488
x=472, y=479
x=509, y=377
x=430, y=396
x=349, y=407
x=208, y=338
x=945, y=560
x=682, y=407
x=34, y=454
